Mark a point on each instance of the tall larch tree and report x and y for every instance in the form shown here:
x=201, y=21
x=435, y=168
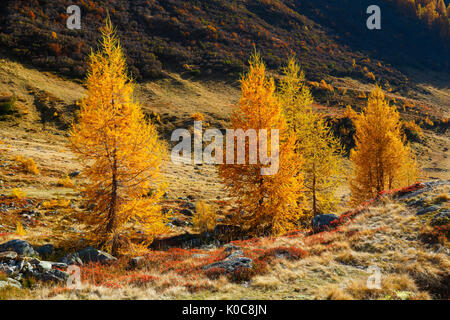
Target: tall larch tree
x=267, y=204
x=315, y=143
x=120, y=153
x=381, y=159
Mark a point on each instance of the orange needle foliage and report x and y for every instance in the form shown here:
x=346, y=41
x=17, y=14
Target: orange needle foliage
x=320, y=150
x=266, y=203
x=381, y=159
x=120, y=152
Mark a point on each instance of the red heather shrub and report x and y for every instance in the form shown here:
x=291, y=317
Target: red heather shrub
x=96, y=274
x=290, y=253
x=215, y=273
x=439, y=234
x=197, y=286
x=241, y=275
x=112, y=285
x=141, y=279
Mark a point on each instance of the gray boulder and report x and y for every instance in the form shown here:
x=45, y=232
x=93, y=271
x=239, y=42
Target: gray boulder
x=187, y=212
x=52, y=275
x=10, y=283
x=46, y=250
x=323, y=221
x=74, y=174
x=59, y=265
x=21, y=247
x=72, y=259
x=177, y=222
x=136, y=262
x=44, y=266
x=441, y=217
x=231, y=247
x=189, y=205
x=427, y=210
x=90, y=254
x=8, y=255
x=232, y=262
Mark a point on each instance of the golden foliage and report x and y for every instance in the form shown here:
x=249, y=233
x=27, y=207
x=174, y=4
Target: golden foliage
x=266, y=203
x=370, y=75
x=56, y=203
x=380, y=158
x=413, y=127
x=65, y=182
x=197, y=116
x=18, y=194
x=326, y=86
x=205, y=218
x=27, y=165
x=121, y=153
x=320, y=150
x=19, y=229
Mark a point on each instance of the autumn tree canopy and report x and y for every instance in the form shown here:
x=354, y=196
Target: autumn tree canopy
x=315, y=143
x=266, y=203
x=381, y=159
x=120, y=153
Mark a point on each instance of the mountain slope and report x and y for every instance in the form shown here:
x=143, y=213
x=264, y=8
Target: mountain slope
x=215, y=38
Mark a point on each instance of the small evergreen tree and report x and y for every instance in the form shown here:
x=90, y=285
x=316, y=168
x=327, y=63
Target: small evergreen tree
x=266, y=203
x=320, y=150
x=380, y=158
x=120, y=152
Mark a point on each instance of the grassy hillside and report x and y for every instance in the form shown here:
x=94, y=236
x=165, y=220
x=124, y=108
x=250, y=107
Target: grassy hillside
x=187, y=58
x=409, y=249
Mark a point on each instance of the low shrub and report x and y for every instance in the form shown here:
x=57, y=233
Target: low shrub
x=65, y=182
x=204, y=219
x=18, y=193
x=7, y=105
x=27, y=165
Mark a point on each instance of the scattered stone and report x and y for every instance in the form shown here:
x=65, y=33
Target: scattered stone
x=427, y=210
x=8, y=255
x=53, y=275
x=10, y=283
x=416, y=203
x=46, y=250
x=74, y=174
x=235, y=254
x=187, y=212
x=189, y=205
x=90, y=254
x=177, y=222
x=72, y=259
x=22, y=247
x=59, y=265
x=44, y=266
x=186, y=240
x=231, y=247
x=442, y=217
x=323, y=221
x=232, y=262
x=136, y=262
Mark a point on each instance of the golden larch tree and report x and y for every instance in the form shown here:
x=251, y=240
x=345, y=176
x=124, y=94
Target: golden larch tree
x=120, y=153
x=267, y=204
x=315, y=143
x=381, y=159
